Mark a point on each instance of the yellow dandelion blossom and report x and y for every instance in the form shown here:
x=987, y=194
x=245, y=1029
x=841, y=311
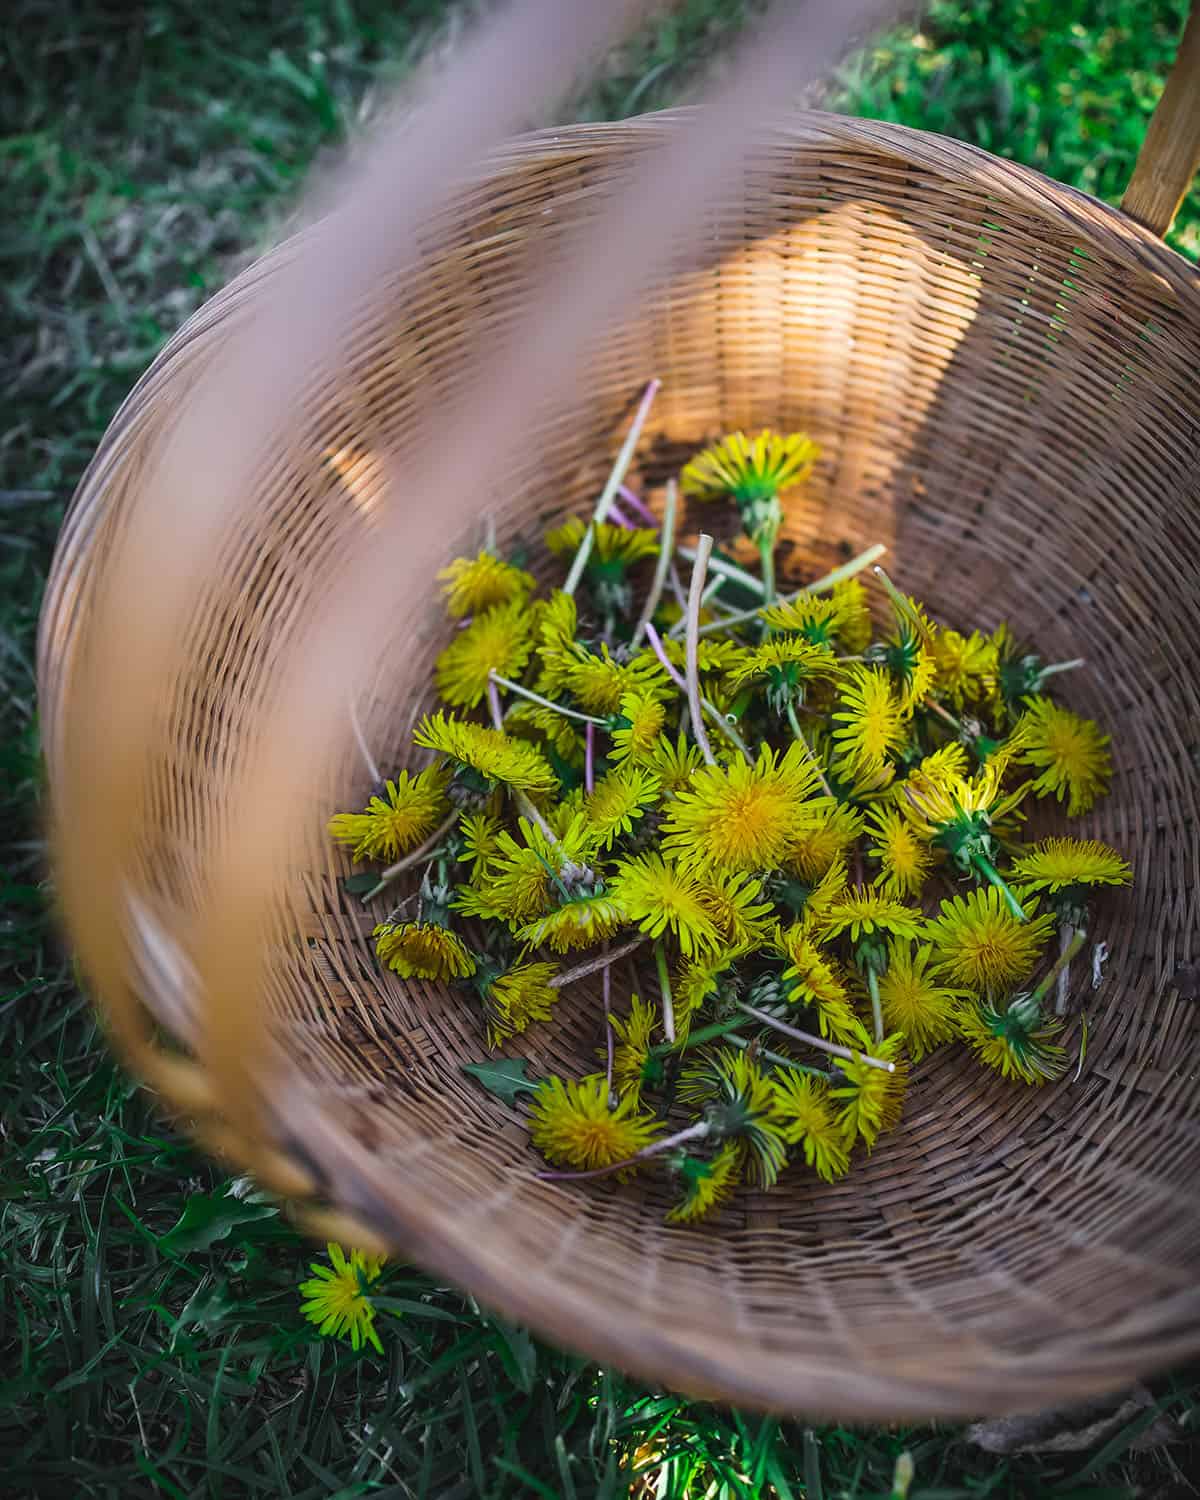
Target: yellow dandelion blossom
x=411, y=809
x=743, y=818
x=820, y=847
x=863, y=912
x=674, y=762
x=659, y=898
x=905, y=858
x=491, y=753
x=495, y=641
x=955, y=813
x=872, y=1100
x=525, y=877
x=557, y=627
x=749, y=469
x=337, y=1298
x=620, y=545
x=855, y=628
x=480, y=835
x=1058, y=864
x=634, y=1035
x=872, y=724
x=706, y=1184
x=514, y=1000
x=788, y=664
x=619, y=800
x=598, y=682
x=979, y=943
x=916, y=1001
x=715, y=658
x=815, y=979
x=1017, y=1043
x=1070, y=753
x=572, y=1124
x=422, y=950
x=810, y=1116
x=944, y=764
x=696, y=981
x=908, y=656
x=729, y=1080
x=965, y=666
x=639, y=722
x=551, y=731
x=579, y=923
x=814, y=617
x=824, y=894
x=740, y=916
x=473, y=584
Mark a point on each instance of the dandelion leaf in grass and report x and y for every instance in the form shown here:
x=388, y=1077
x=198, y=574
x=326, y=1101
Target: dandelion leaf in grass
x=504, y=1077
x=209, y=1217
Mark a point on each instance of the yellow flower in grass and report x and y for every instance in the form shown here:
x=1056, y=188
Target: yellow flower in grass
x=598, y=682
x=514, y=1000
x=473, y=584
x=491, y=753
x=862, y=913
x=741, y=1100
x=660, y=898
x=872, y=1100
x=586, y=919
x=965, y=666
x=807, y=1107
x=819, y=848
x=979, y=943
x=872, y=724
x=674, y=762
x=622, y=545
x=916, y=1001
x=634, y=1037
x=496, y=641
x=1017, y=1043
x=1069, y=752
x=1058, y=864
x=526, y=877
x=854, y=616
x=422, y=950
x=619, y=800
x=814, y=617
x=706, y=1184
x=814, y=978
x=572, y=1125
x=749, y=469
x=743, y=818
x=410, y=811
x=905, y=858
x=337, y=1297
x=640, y=718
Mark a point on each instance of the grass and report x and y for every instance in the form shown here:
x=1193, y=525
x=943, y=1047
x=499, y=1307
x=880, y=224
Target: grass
x=149, y=1323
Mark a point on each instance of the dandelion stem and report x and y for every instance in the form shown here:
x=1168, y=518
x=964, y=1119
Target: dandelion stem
x=1065, y=935
x=413, y=857
x=608, y=493
x=618, y=516
x=1061, y=963
x=666, y=542
x=524, y=692
x=664, y=984
x=691, y=1133
x=766, y=551
x=699, y=568
x=989, y=871
x=594, y=965
x=493, y=698
x=589, y=761
x=934, y=707
x=725, y=569
x=774, y=1057
x=637, y=505
x=833, y=1048
x=820, y=586
x=606, y=986
x=876, y=1003
x=1061, y=666
x=368, y=758
x=794, y=721
x=710, y=709
x=531, y=815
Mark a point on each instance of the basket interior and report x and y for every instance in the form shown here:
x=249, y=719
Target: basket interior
x=1012, y=410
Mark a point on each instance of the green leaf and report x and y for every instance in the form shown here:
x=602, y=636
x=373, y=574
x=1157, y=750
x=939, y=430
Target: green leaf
x=504, y=1077
x=357, y=885
x=209, y=1217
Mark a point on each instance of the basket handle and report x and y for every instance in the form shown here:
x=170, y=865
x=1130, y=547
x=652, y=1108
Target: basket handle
x=1170, y=156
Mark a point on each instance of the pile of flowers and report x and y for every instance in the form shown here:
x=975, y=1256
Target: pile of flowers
x=796, y=818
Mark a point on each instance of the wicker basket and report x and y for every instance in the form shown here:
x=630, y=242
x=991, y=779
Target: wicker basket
x=1001, y=374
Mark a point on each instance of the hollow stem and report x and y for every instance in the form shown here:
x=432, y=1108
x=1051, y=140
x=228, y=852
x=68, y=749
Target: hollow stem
x=1061, y=963
x=618, y=516
x=934, y=707
x=990, y=873
x=637, y=505
x=766, y=552
x=835, y=1049
x=876, y=1003
x=413, y=857
x=710, y=709
x=589, y=762
x=724, y=569
x=695, y=1132
x=1066, y=933
x=666, y=542
x=609, y=1049
x=594, y=965
x=493, y=698
x=794, y=721
x=1061, y=666
x=695, y=593
x=820, y=586
x=774, y=1057
x=524, y=692
x=664, y=984
x=531, y=815
x=611, y=485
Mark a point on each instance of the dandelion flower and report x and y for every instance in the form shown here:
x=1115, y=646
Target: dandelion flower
x=573, y=1125
x=336, y=1298
x=480, y=841
x=639, y=722
x=1059, y=864
x=526, y=877
x=674, y=762
x=619, y=545
x=743, y=818
x=741, y=918
x=413, y=808
x=915, y=1000
x=816, y=979
x=631, y=1055
x=422, y=950
x=872, y=1100
x=872, y=724
x=598, y=682
x=965, y=666
x=1070, y=753
x=813, y=617
x=586, y=919
x=749, y=470
x=496, y=641
x=788, y=664
x=698, y=980
x=805, y=1104
x=741, y=1103
x=473, y=584
x=822, y=846
x=556, y=629
x=553, y=732
x=619, y=800
x=956, y=813
x=854, y=615
x=706, y=1184
x=979, y=943
x=1017, y=1043
x=908, y=652
x=868, y=913
x=490, y=753
x=659, y=898
x=905, y=858
x=515, y=999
